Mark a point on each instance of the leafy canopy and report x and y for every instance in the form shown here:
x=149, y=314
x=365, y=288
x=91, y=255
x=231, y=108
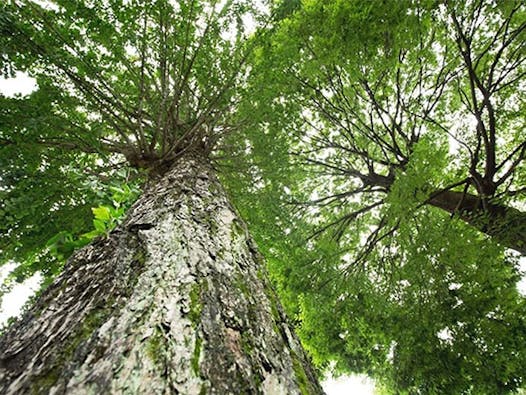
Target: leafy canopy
x=388, y=236
x=380, y=161
x=125, y=88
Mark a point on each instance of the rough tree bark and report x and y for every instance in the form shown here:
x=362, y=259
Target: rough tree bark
x=174, y=300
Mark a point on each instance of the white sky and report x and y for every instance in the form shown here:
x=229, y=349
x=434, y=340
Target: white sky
x=349, y=385
x=14, y=300
x=22, y=84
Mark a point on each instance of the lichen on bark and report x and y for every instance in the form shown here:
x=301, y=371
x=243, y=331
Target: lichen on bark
x=174, y=300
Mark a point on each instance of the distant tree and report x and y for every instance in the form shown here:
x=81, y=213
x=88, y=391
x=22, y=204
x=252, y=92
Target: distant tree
x=441, y=77
x=405, y=120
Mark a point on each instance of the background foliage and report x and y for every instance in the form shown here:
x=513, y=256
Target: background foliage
x=377, y=109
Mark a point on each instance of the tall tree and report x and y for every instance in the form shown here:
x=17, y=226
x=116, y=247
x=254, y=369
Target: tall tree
x=175, y=298
x=427, y=78
x=405, y=121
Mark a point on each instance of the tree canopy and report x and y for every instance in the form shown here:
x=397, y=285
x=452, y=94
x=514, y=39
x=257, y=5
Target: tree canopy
x=401, y=220
x=375, y=147
x=123, y=86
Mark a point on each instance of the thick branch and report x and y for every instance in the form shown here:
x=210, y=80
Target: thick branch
x=505, y=224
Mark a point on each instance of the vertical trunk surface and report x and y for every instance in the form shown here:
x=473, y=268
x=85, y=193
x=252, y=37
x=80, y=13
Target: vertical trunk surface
x=175, y=300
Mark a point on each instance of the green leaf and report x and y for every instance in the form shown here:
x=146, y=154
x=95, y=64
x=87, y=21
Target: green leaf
x=101, y=213
x=100, y=226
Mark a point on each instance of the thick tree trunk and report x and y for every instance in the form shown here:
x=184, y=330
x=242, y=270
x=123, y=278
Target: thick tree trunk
x=505, y=224
x=175, y=300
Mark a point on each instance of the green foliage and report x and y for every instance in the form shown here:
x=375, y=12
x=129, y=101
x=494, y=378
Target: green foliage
x=121, y=85
x=424, y=174
x=372, y=115
x=48, y=257
x=106, y=218
x=45, y=189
